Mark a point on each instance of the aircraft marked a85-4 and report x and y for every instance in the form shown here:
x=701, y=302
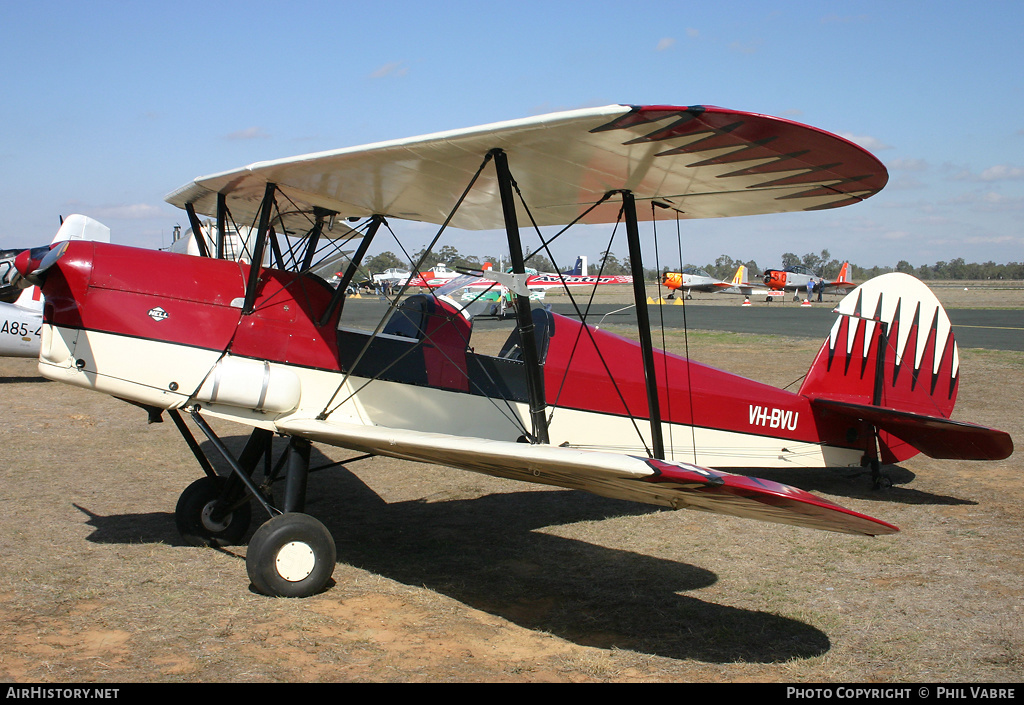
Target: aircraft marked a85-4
x=563, y=403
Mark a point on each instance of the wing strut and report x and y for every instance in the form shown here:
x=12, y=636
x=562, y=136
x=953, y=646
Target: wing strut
x=338, y=300
x=257, y=255
x=524, y=319
x=222, y=223
x=197, y=230
x=643, y=323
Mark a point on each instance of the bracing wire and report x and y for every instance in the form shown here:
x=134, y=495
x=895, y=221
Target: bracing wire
x=686, y=349
x=661, y=317
x=327, y=411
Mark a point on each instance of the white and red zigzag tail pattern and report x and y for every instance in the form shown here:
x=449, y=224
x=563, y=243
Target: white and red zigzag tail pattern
x=920, y=362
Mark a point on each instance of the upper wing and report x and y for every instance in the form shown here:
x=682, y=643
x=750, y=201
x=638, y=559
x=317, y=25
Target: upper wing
x=705, y=162
x=676, y=485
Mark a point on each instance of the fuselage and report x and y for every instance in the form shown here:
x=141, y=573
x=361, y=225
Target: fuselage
x=691, y=280
x=168, y=330
x=796, y=278
x=20, y=330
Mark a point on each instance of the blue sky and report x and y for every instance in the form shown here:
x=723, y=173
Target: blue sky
x=108, y=106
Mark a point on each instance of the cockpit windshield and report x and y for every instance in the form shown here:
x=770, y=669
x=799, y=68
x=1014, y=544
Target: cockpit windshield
x=476, y=296
x=695, y=271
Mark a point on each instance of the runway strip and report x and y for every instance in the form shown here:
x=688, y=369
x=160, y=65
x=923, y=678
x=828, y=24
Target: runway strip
x=974, y=328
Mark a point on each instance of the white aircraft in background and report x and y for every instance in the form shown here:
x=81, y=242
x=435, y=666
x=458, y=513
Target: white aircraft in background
x=397, y=277
x=691, y=279
x=9, y=293
x=22, y=321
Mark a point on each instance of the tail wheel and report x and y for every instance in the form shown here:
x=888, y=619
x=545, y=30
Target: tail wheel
x=194, y=515
x=291, y=555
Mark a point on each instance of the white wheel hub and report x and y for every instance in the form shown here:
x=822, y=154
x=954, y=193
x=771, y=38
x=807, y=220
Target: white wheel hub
x=210, y=524
x=295, y=561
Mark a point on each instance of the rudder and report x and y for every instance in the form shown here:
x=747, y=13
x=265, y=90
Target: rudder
x=893, y=348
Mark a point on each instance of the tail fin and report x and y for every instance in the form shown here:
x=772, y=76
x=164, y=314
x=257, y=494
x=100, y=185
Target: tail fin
x=578, y=269
x=82, y=227
x=74, y=227
x=844, y=274
x=740, y=277
x=30, y=297
x=891, y=361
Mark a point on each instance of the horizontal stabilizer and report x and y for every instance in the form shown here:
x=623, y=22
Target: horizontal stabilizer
x=934, y=436
x=670, y=484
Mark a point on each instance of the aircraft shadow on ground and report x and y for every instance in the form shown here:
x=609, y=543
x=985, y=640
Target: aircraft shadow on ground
x=855, y=483
x=28, y=379
x=487, y=553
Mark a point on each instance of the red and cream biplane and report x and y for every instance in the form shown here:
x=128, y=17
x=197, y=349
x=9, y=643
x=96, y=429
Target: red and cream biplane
x=562, y=403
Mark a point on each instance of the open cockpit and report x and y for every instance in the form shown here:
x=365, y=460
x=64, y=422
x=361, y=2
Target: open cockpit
x=426, y=341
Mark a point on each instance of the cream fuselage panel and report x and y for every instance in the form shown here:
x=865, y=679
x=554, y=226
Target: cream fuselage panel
x=145, y=371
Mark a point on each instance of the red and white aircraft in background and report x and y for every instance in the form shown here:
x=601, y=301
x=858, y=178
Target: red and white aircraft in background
x=438, y=276
x=562, y=403
x=531, y=279
x=797, y=277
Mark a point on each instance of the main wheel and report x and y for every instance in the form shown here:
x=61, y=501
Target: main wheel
x=291, y=555
x=193, y=515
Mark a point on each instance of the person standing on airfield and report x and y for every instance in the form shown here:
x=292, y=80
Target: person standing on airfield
x=821, y=287
x=810, y=290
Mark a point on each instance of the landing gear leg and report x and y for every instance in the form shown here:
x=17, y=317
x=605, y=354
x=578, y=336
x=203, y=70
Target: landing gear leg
x=878, y=479
x=197, y=507
x=291, y=554
x=215, y=510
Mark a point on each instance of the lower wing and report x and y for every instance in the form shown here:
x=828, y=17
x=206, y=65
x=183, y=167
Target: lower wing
x=650, y=481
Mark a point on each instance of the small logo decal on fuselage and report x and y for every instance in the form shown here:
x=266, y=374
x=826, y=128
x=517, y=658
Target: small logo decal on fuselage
x=157, y=314
x=773, y=418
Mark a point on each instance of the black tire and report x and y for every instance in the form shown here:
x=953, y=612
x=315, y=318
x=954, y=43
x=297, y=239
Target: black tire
x=291, y=555
x=192, y=515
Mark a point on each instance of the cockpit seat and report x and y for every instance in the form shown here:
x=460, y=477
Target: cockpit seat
x=543, y=327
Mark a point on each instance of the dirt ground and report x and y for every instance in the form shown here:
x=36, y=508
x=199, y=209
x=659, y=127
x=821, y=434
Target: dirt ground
x=445, y=575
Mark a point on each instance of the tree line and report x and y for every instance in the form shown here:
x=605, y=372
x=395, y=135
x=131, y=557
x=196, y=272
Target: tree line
x=823, y=263
x=828, y=267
